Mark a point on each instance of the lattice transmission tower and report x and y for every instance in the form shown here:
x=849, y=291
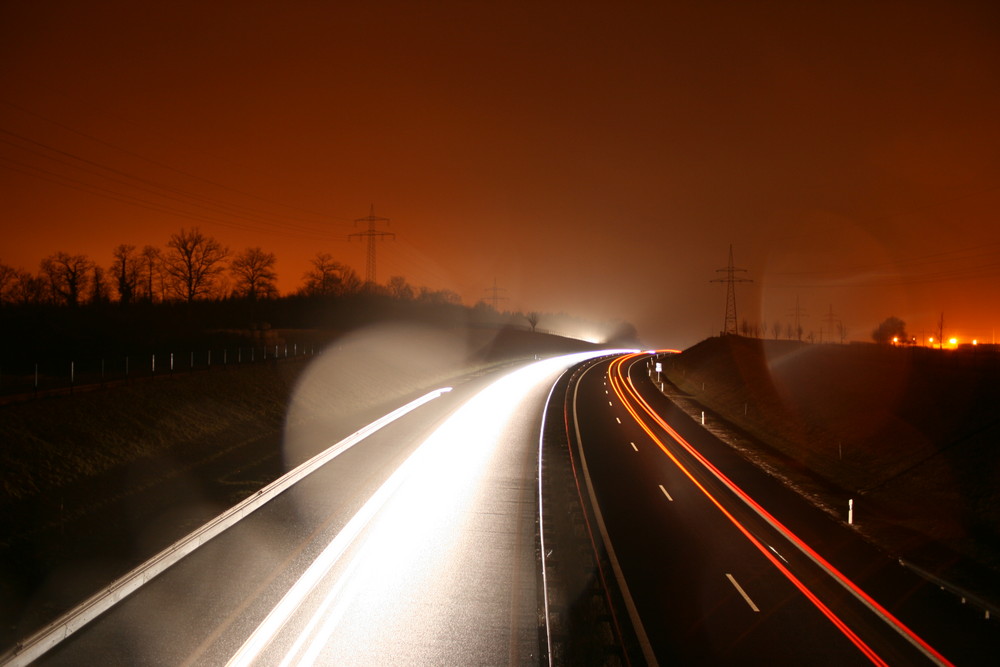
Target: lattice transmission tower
x=731, y=279
x=495, y=297
x=370, y=235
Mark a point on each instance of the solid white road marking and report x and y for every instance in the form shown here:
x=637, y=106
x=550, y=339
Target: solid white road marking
x=742, y=592
x=666, y=494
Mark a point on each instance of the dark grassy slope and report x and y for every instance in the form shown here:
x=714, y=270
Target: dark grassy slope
x=913, y=435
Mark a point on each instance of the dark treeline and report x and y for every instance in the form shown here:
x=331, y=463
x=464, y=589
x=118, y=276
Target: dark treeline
x=195, y=294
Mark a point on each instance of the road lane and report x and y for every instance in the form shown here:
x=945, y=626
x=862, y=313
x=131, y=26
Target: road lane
x=677, y=555
x=443, y=569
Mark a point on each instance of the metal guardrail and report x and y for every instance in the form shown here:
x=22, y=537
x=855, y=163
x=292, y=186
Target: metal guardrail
x=48, y=637
x=990, y=609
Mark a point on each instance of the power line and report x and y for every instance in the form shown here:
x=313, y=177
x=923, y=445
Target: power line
x=730, y=280
x=495, y=297
x=370, y=235
x=157, y=162
x=129, y=180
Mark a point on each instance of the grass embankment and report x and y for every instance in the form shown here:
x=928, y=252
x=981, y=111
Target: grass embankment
x=913, y=435
x=52, y=443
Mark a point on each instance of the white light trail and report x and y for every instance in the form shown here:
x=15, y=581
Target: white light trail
x=412, y=526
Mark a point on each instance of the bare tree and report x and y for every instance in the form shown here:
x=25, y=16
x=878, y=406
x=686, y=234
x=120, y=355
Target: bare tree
x=889, y=329
x=253, y=271
x=126, y=269
x=67, y=276
x=8, y=278
x=152, y=281
x=100, y=290
x=29, y=289
x=842, y=331
x=329, y=277
x=193, y=264
x=439, y=297
x=400, y=289
x=533, y=318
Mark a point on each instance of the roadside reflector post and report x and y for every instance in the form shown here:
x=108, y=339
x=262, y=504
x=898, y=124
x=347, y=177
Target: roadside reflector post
x=850, y=512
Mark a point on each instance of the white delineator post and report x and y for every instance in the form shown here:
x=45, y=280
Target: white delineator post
x=850, y=512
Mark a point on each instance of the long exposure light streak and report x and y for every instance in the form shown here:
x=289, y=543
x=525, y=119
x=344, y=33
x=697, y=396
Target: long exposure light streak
x=628, y=394
x=412, y=533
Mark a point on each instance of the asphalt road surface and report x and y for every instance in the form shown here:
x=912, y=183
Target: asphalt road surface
x=724, y=565
x=415, y=546
x=424, y=543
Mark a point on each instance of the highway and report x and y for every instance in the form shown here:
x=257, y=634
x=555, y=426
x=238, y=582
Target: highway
x=713, y=556
x=414, y=546
x=563, y=512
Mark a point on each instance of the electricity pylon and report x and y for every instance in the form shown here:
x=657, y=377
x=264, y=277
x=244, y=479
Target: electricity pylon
x=495, y=297
x=830, y=320
x=730, y=280
x=370, y=234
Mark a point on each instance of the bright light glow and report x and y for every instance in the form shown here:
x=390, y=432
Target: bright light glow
x=413, y=542
x=975, y=341
x=953, y=341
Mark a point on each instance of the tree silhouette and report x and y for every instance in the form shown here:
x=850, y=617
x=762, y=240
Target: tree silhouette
x=193, y=264
x=100, y=291
x=125, y=270
x=28, y=289
x=400, y=289
x=891, y=327
x=329, y=277
x=8, y=278
x=532, y=318
x=67, y=276
x=253, y=271
x=151, y=276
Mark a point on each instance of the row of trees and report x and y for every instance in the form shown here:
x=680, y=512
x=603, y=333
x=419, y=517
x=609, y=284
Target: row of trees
x=788, y=331
x=192, y=266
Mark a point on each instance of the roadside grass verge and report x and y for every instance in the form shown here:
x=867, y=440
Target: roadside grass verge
x=912, y=435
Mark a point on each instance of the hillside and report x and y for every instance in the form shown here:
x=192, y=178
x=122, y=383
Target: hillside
x=911, y=434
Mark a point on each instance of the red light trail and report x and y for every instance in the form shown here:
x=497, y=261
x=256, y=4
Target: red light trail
x=633, y=402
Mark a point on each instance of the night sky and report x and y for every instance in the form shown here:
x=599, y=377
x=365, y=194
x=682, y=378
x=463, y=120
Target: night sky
x=594, y=159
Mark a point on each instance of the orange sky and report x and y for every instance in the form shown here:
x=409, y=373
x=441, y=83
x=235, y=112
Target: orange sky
x=592, y=159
